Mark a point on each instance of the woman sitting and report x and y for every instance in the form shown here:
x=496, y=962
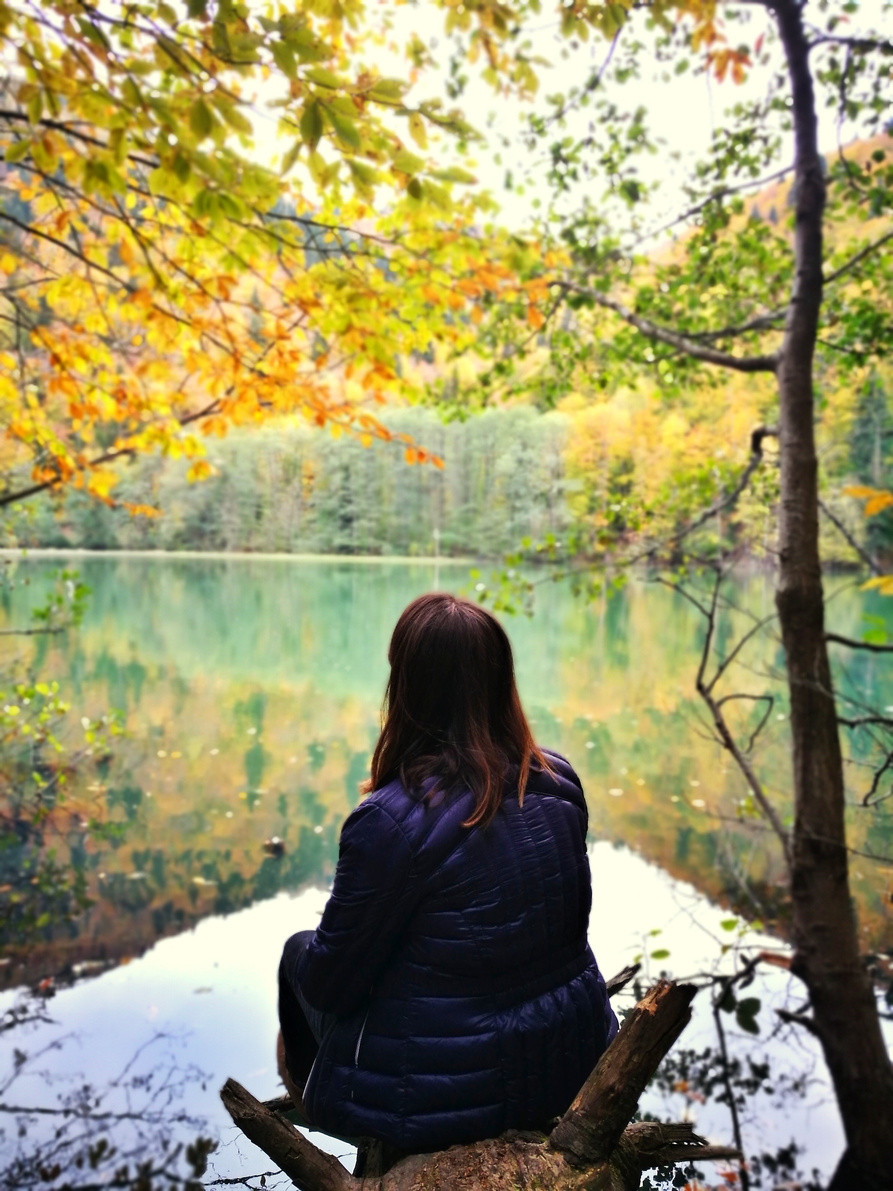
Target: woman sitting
x=449, y=992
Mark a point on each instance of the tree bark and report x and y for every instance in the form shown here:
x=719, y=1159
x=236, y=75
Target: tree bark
x=593, y=1148
x=825, y=937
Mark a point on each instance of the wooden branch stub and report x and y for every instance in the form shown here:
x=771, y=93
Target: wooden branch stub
x=656, y=1144
x=592, y=1127
x=619, y=982
x=308, y=1167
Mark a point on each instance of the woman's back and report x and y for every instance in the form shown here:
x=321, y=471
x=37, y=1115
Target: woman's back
x=456, y=959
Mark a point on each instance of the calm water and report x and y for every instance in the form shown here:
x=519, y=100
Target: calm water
x=251, y=692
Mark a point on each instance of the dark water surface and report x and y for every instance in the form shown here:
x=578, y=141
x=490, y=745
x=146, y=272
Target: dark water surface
x=251, y=691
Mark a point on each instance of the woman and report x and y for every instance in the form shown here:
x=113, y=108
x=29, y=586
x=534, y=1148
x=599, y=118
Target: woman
x=449, y=992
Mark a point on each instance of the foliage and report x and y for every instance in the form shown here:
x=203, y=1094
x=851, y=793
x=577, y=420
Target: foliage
x=293, y=488
x=158, y=279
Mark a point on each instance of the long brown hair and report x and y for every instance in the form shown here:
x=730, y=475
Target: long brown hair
x=451, y=709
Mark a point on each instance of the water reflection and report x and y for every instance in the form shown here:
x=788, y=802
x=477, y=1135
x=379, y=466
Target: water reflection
x=251, y=691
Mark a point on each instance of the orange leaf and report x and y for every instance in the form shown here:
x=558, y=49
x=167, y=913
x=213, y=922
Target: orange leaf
x=877, y=504
x=534, y=317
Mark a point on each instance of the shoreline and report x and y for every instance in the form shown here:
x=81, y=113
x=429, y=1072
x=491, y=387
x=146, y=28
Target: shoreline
x=23, y=553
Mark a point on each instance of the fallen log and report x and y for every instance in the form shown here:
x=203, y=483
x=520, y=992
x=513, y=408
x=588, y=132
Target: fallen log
x=592, y=1148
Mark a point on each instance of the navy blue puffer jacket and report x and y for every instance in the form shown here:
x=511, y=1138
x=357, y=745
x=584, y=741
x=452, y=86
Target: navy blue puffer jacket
x=468, y=999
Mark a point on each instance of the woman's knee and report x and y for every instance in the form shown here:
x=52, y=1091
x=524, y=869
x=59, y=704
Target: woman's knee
x=293, y=952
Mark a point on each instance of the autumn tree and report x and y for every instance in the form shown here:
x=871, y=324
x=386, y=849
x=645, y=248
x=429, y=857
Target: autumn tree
x=161, y=281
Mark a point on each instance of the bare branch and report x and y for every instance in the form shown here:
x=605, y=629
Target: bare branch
x=716, y=195
x=869, y=799
x=864, y=44
x=770, y=702
x=730, y=657
x=731, y=498
x=37, y=632
x=857, y=259
x=309, y=1167
x=798, y=1019
x=850, y=540
x=727, y=740
x=697, y=351
x=852, y=643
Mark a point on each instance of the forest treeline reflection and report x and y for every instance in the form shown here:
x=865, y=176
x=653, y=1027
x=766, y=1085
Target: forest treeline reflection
x=250, y=690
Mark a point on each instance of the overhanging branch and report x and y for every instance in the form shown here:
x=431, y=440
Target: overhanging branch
x=658, y=334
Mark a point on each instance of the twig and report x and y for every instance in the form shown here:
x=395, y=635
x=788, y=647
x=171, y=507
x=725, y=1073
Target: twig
x=852, y=643
x=798, y=1019
x=725, y=735
x=743, y=1172
x=850, y=540
x=876, y=781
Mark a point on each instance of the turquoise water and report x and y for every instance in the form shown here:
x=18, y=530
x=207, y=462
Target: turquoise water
x=250, y=690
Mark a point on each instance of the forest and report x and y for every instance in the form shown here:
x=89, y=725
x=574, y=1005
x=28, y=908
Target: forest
x=574, y=481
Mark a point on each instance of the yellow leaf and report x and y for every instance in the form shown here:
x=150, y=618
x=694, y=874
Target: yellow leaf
x=417, y=130
x=101, y=482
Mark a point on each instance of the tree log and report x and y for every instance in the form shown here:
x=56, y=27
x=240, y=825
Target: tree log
x=592, y=1148
x=591, y=1128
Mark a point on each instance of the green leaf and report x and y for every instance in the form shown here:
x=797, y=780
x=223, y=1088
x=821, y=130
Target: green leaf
x=182, y=167
x=236, y=119
x=35, y=106
x=291, y=157
x=167, y=14
x=196, y=8
x=284, y=57
x=415, y=189
x=417, y=130
x=17, y=151
x=311, y=124
x=748, y=1024
x=93, y=33
x=388, y=91
x=729, y=923
x=661, y=953
x=746, y=1015
x=454, y=174
x=324, y=78
x=406, y=162
x=364, y=176
x=200, y=119
x=131, y=92
x=345, y=129
x=727, y=1001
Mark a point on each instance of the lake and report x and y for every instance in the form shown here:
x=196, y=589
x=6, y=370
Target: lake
x=250, y=689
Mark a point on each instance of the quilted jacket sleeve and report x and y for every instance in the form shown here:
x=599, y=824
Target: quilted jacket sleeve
x=371, y=901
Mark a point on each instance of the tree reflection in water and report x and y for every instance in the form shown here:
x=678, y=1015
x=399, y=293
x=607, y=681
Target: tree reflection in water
x=131, y=1132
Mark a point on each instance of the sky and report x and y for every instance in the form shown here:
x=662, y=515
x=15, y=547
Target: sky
x=683, y=111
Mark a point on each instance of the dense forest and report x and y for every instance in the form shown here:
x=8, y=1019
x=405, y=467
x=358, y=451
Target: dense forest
x=581, y=477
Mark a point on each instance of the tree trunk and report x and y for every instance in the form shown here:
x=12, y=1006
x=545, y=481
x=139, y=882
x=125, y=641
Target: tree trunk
x=592, y=1148
x=825, y=935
